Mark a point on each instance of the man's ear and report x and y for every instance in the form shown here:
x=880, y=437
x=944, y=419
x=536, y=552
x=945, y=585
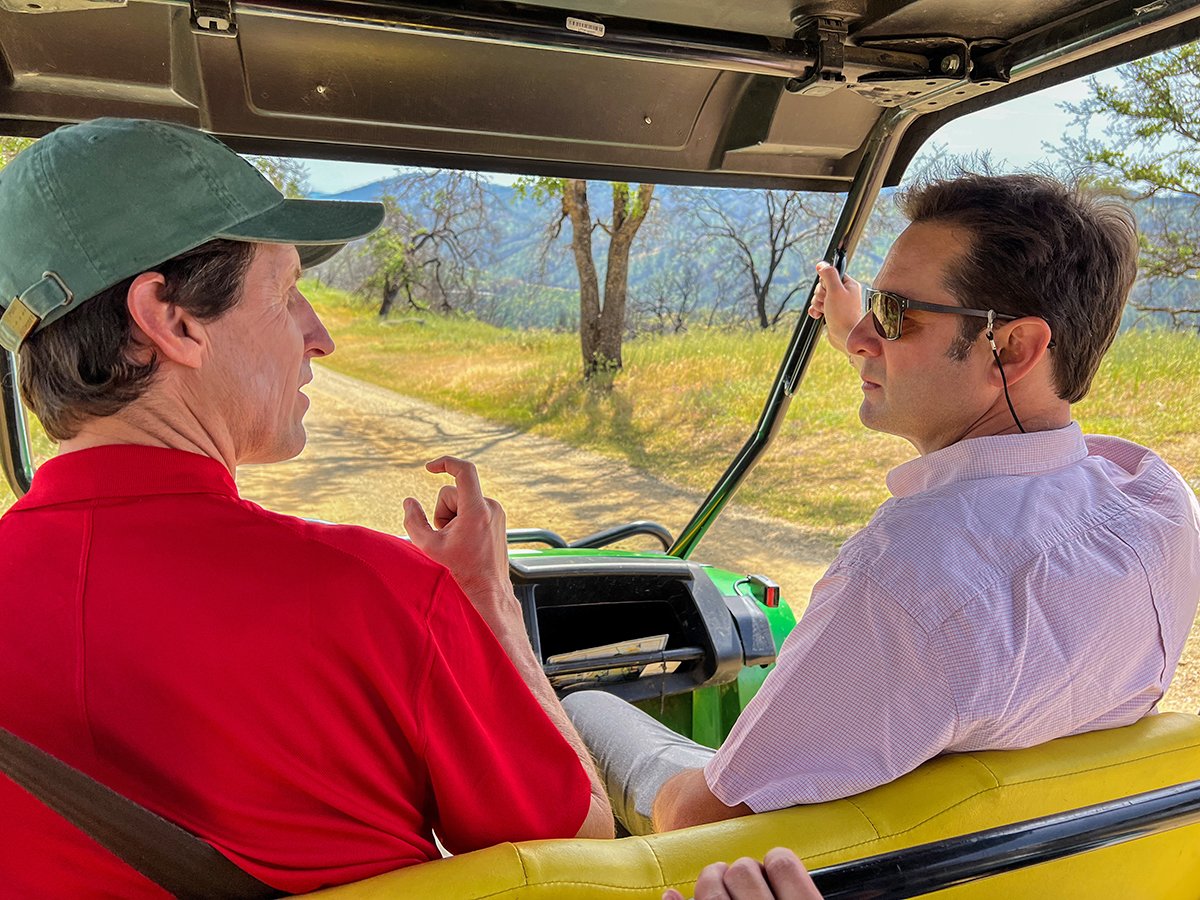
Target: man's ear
x=1022, y=345
x=161, y=327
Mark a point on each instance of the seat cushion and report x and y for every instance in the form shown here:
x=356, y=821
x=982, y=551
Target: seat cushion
x=947, y=796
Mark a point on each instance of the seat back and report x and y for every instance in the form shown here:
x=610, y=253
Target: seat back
x=951, y=795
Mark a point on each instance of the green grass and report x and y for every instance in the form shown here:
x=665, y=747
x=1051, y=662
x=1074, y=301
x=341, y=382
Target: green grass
x=1146, y=391
x=685, y=404
x=681, y=409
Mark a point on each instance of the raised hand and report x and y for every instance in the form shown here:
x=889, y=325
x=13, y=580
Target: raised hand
x=467, y=537
x=839, y=300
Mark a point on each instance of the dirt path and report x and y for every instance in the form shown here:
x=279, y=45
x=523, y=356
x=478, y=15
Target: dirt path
x=367, y=446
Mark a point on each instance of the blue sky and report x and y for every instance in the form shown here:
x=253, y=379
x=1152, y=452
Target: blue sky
x=1014, y=132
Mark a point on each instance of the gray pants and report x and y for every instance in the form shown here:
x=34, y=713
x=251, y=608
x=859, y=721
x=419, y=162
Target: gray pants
x=635, y=753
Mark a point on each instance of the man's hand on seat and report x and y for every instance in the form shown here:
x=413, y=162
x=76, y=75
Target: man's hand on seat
x=780, y=876
x=468, y=538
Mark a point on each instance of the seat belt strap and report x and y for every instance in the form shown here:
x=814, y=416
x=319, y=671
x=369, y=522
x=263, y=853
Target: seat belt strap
x=172, y=858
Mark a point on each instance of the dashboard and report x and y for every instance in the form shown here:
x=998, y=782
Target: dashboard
x=638, y=627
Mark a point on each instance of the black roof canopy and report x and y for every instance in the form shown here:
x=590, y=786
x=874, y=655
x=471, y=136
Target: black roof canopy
x=746, y=93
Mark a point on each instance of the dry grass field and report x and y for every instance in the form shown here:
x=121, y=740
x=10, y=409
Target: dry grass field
x=685, y=404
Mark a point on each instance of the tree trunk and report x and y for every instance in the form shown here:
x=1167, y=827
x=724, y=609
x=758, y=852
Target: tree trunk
x=760, y=305
x=611, y=327
x=625, y=224
x=575, y=207
x=601, y=328
x=389, y=297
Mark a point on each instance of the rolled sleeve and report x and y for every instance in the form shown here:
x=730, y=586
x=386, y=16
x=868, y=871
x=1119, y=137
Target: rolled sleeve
x=859, y=697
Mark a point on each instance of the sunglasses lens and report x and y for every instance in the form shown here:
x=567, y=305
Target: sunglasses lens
x=885, y=310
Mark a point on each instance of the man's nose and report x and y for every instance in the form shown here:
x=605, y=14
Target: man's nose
x=863, y=339
x=317, y=340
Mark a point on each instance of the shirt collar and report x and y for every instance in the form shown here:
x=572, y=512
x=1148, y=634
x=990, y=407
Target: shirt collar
x=125, y=470
x=985, y=457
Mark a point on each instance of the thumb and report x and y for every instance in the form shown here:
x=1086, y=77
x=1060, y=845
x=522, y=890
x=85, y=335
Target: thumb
x=416, y=523
x=829, y=276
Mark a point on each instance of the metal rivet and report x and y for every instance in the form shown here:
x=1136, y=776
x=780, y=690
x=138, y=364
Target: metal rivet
x=951, y=64
x=321, y=89
x=648, y=120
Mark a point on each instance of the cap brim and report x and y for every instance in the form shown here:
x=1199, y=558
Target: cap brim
x=315, y=254
x=318, y=228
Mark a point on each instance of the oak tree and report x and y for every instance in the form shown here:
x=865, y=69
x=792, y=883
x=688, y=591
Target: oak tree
x=1148, y=148
x=601, y=315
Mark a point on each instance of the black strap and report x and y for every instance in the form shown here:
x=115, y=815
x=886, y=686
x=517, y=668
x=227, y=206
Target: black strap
x=172, y=858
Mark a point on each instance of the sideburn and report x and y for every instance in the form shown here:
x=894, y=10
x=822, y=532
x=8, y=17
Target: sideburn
x=959, y=349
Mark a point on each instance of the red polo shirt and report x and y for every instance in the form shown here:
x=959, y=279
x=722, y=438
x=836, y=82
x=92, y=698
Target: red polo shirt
x=311, y=699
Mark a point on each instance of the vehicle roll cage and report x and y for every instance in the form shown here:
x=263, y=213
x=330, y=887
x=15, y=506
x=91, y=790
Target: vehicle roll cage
x=15, y=459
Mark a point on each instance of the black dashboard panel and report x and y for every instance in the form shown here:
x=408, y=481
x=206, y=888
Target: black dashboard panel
x=608, y=616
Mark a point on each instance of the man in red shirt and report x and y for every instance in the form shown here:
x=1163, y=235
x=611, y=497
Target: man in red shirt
x=313, y=700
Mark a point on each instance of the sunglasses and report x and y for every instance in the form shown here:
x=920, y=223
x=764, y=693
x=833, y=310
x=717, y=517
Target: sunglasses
x=887, y=312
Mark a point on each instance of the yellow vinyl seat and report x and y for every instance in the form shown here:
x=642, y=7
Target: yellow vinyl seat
x=947, y=796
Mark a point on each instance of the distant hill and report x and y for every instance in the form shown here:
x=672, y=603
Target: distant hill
x=527, y=285
x=530, y=286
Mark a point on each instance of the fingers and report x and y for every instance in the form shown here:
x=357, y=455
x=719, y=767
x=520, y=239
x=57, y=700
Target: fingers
x=829, y=275
x=780, y=876
x=827, y=280
x=710, y=885
x=672, y=894
x=839, y=299
x=787, y=876
x=447, y=506
x=467, y=536
x=745, y=880
x=464, y=475
x=416, y=524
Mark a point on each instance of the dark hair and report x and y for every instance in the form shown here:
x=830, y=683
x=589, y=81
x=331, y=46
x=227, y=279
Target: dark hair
x=81, y=367
x=1038, y=248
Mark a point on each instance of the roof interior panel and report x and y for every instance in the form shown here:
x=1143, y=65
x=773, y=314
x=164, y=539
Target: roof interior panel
x=493, y=84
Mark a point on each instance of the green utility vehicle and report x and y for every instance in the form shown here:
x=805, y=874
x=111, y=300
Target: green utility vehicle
x=813, y=95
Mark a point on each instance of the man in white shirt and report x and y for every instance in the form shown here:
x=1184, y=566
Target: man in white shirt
x=1025, y=582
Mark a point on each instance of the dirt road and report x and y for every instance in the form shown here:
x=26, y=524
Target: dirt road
x=367, y=447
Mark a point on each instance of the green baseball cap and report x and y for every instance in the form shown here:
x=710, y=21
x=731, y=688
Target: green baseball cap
x=92, y=204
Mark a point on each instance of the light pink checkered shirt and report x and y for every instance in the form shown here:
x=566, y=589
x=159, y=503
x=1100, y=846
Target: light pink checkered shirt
x=1014, y=589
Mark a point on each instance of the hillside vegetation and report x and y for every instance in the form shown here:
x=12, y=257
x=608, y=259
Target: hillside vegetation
x=521, y=277
x=686, y=403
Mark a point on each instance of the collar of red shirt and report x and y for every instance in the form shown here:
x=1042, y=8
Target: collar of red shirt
x=985, y=457
x=125, y=470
